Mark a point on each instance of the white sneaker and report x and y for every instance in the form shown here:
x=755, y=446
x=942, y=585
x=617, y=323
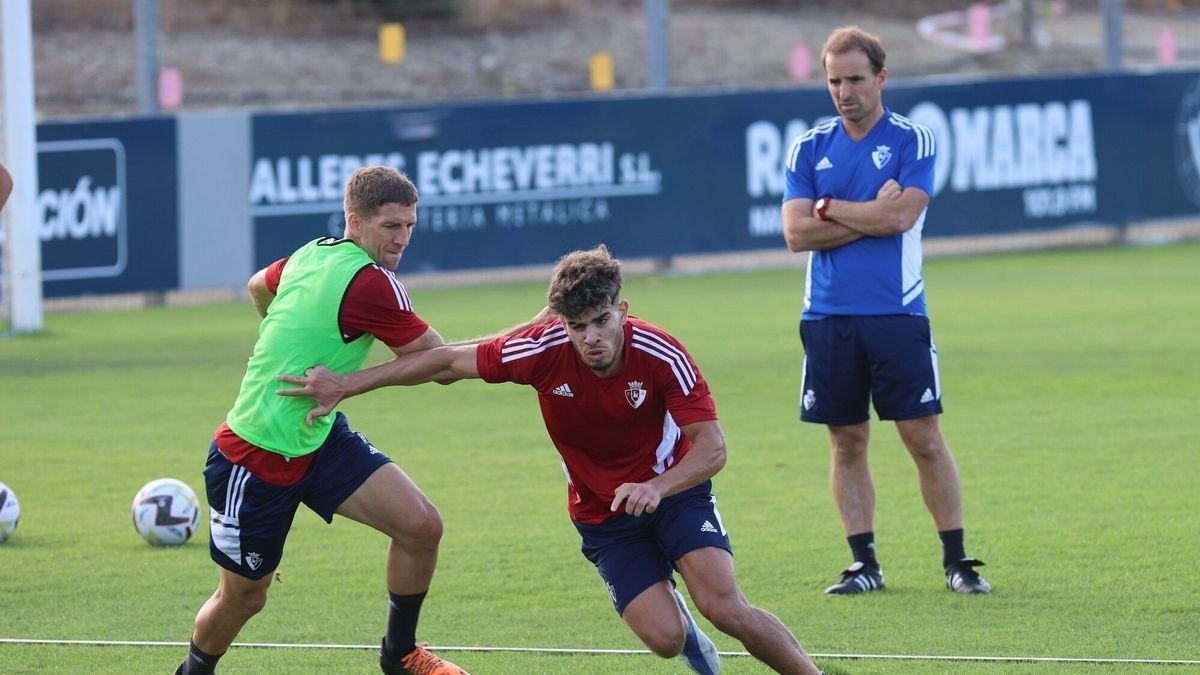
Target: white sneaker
x=698, y=651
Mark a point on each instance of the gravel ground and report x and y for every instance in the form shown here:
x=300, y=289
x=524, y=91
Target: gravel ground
x=90, y=72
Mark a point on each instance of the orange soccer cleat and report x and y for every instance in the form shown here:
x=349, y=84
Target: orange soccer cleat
x=421, y=661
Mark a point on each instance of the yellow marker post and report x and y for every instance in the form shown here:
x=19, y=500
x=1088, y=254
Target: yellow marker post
x=600, y=66
x=391, y=42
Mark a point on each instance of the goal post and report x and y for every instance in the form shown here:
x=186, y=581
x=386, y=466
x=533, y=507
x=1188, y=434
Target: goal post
x=22, y=291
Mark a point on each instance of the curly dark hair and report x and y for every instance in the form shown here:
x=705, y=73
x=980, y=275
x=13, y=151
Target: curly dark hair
x=583, y=281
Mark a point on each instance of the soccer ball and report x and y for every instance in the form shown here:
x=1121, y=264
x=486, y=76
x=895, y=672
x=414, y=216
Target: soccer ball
x=165, y=512
x=10, y=512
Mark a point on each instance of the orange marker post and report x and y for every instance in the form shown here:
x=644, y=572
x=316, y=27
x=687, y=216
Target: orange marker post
x=600, y=66
x=391, y=42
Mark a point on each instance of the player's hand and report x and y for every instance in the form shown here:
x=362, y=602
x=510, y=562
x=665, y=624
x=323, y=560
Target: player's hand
x=320, y=384
x=890, y=190
x=639, y=498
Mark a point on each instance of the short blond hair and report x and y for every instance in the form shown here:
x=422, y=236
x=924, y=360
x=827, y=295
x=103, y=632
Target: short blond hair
x=850, y=38
x=371, y=187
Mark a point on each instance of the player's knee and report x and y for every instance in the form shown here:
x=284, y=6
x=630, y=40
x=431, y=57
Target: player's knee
x=928, y=450
x=665, y=642
x=423, y=532
x=849, y=454
x=254, y=603
x=728, y=613
x=431, y=527
x=849, y=443
x=245, y=602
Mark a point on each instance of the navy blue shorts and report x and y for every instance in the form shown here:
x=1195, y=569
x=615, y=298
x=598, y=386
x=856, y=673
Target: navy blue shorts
x=851, y=361
x=632, y=554
x=250, y=518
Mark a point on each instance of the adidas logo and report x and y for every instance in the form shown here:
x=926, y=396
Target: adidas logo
x=956, y=581
x=708, y=527
x=927, y=396
x=823, y=164
x=564, y=390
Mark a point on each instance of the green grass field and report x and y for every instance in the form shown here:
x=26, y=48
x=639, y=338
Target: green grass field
x=1072, y=390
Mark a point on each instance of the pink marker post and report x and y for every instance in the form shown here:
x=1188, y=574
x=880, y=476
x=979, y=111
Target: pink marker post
x=170, y=88
x=1168, y=47
x=979, y=22
x=800, y=64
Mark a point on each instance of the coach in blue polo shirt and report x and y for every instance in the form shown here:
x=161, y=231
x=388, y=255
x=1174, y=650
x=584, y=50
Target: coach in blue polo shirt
x=857, y=189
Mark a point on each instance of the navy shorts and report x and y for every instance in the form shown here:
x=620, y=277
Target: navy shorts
x=634, y=553
x=851, y=361
x=250, y=518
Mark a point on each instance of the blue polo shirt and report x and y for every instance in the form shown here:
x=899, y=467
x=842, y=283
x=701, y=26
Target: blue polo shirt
x=872, y=275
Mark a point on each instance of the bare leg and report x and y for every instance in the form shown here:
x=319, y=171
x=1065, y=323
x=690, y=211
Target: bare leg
x=230, y=607
x=850, y=477
x=655, y=618
x=710, y=579
x=390, y=502
x=936, y=468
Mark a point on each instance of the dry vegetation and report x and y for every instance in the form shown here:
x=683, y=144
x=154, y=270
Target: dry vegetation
x=273, y=53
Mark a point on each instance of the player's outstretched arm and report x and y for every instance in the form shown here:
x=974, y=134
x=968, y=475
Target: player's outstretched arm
x=327, y=388
x=702, y=462
x=546, y=315
x=804, y=231
x=260, y=294
x=894, y=210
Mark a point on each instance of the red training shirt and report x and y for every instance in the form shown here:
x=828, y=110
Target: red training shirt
x=609, y=430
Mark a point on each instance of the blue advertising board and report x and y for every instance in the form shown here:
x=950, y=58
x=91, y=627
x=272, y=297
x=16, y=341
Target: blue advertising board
x=106, y=206
x=521, y=183
x=1022, y=154
x=500, y=184
x=518, y=183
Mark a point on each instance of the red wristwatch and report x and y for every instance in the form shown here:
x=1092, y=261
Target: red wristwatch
x=822, y=204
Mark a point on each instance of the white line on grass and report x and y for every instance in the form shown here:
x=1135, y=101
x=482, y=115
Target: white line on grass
x=566, y=650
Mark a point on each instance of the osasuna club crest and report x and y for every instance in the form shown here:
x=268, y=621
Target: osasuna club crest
x=881, y=156
x=253, y=560
x=635, y=394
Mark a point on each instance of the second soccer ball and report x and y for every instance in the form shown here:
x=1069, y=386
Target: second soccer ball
x=10, y=513
x=165, y=512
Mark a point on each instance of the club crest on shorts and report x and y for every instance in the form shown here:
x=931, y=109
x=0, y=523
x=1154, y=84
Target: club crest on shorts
x=635, y=394
x=253, y=560
x=881, y=156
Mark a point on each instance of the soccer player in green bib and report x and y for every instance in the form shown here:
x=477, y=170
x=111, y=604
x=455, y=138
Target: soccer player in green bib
x=326, y=303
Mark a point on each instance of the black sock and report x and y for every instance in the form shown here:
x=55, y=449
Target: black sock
x=403, y=611
x=952, y=546
x=197, y=662
x=862, y=546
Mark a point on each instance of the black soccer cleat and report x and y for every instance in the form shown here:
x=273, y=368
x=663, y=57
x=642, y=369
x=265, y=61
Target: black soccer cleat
x=857, y=578
x=961, y=577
